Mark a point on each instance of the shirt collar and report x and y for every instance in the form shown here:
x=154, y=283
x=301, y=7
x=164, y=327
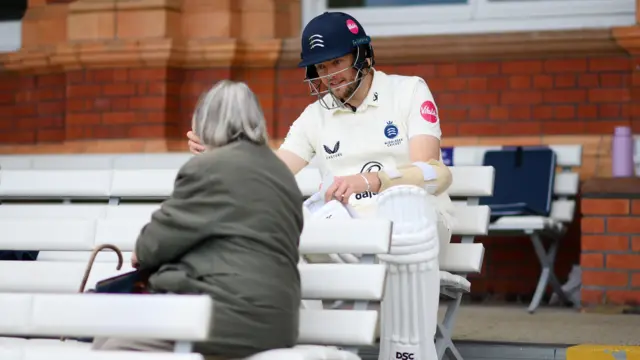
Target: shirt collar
x=373, y=96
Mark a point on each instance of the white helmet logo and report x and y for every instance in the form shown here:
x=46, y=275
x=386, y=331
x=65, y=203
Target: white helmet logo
x=316, y=41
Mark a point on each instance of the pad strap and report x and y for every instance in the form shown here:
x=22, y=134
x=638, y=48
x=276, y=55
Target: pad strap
x=433, y=175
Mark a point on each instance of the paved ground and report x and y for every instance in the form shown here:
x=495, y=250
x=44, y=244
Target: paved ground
x=549, y=325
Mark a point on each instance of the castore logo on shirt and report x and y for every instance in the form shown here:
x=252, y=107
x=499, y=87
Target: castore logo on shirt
x=332, y=152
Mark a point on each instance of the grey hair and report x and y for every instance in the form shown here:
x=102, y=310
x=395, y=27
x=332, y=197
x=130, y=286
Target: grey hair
x=227, y=112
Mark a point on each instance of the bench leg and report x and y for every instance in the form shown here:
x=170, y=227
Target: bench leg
x=547, y=260
x=444, y=343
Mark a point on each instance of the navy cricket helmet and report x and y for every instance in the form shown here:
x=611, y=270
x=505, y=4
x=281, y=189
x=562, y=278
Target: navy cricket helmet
x=329, y=36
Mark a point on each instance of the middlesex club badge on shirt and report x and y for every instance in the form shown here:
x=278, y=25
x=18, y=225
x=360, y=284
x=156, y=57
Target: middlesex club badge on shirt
x=429, y=112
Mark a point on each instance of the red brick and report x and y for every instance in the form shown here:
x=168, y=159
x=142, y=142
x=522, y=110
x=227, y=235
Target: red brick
x=478, y=128
x=446, y=70
x=148, y=103
x=456, y=84
x=50, y=135
x=565, y=96
x=592, y=225
x=591, y=296
x=565, y=81
x=604, y=243
x=610, y=64
x=542, y=112
x=520, y=82
x=609, y=111
x=623, y=297
x=588, y=80
x=623, y=261
x=565, y=65
x=543, y=81
x=635, y=280
x=609, y=95
x=147, y=74
x=605, y=278
x=564, y=112
x=523, y=128
x=635, y=243
x=522, y=67
x=625, y=225
x=478, y=113
x=604, y=206
x=480, y=98
x=497, y=83
x=84, y=91
x=635, y=207
x=521, y=97
x=477, y=83
x=479, y=68
x=591, y=260
x=82, y=119
x=612, y=80
x=119, y=89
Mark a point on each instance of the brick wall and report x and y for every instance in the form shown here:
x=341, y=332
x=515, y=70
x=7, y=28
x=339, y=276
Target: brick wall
x=610, y=247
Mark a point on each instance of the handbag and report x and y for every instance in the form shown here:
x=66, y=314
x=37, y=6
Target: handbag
x=133, y=282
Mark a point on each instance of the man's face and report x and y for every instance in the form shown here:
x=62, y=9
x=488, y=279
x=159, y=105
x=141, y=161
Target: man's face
x=343, y=73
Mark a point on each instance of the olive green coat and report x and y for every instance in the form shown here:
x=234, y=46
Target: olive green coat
x=231, y=230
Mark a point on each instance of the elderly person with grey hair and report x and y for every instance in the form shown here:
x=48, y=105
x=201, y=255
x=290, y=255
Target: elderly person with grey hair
x=230, y=229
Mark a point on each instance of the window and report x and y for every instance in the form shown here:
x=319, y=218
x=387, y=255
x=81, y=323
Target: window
x=422, y=17
x=10, y=36
x=11, y=13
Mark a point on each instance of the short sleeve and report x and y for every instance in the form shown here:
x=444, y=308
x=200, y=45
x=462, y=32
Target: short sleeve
x=423, y=112
x=299, y=139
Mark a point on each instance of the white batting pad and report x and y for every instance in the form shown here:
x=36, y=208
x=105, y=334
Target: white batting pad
x=410, y=306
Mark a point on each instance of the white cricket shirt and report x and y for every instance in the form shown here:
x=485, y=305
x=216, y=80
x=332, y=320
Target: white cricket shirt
x=375, y=136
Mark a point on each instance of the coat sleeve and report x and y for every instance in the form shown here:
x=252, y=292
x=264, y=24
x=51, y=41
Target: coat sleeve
x=183, y=220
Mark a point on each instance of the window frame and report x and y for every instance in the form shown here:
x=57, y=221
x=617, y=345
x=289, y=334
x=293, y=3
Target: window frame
x=484, y=16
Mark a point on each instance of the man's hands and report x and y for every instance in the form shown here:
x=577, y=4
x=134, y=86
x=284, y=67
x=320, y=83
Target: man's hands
x=345, y=186
x=195, y=144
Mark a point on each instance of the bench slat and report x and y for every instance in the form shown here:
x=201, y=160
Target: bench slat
x=176, y=317
x=471, y=181
x=563, y=210
x=566, y=184
x=319, y=281
x=53, y=276
x=52, y=211
x=360, y=236
x=342, y=281
x=566, y=155
x=66, y=353
x=144, y=183
x=471, y=220
x=338, y=327
x=47, y=234
x=462, y=258
x=59, y=184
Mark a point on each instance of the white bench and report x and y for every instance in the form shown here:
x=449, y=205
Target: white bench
x=124, y=161
x=181, y=318
x=359, y=283
x=553, y=228
x=124, y=221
